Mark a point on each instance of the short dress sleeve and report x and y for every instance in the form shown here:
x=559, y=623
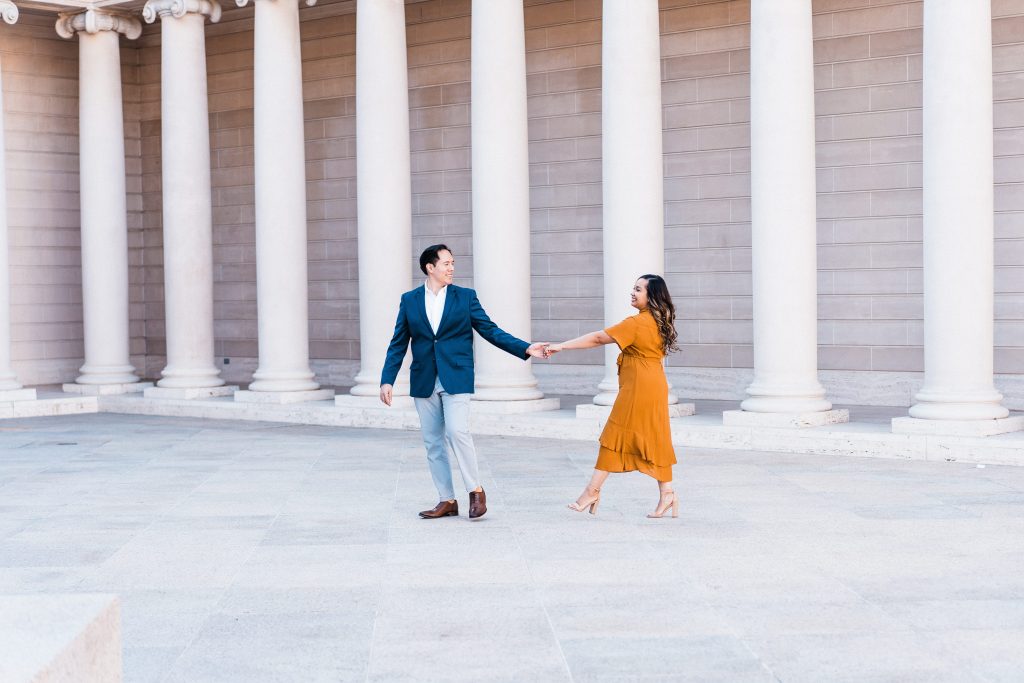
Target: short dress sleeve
x=625, y=332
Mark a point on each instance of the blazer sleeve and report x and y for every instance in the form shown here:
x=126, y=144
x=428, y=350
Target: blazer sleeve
x=494, y=334
x=397, y=348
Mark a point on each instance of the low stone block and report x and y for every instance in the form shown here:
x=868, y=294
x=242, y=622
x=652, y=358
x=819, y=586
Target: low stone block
x=746, y=418
x=17, y=395
x=60, y=639
x=283, y=397
x=373, y=402
x=105, y=389
x=48, y=407
x=514, y=407
x=914, y=425
x=596, y=412
x=189, y=393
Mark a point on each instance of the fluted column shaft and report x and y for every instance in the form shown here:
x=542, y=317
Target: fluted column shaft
x=958, y=220
x=103, y=202
x=631, y=161
x=783, y=231
x=8, y=380
x=383, y=178
x=187, y=205
x=501, y=193
x=281, y=270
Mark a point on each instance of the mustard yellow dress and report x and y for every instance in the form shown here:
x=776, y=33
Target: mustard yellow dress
x=637, y=436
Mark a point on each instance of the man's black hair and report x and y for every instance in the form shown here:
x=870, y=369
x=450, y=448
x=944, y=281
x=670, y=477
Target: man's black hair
x=432, y=255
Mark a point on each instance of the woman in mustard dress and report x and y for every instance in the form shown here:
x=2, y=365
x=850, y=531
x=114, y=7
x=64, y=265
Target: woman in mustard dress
x=637, y=435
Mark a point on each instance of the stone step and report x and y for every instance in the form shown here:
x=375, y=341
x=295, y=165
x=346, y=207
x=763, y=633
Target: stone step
x=60, y=639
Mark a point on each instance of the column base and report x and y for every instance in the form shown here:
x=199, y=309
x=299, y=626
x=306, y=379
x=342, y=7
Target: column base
x=193, y=381
x=284, y=397
x=984, y=410
x=282, y=382
x=914, y=425
x=12, y=395
x=513, y=407
x=106, y=389
x=746, y=418
x=607, y=398
x=601, y=412
x=373, y=402
x=188, y=393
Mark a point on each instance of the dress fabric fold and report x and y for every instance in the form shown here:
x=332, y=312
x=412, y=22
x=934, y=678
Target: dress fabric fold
x=637, y=436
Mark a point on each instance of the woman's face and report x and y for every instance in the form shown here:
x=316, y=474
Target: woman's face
x=638, y=298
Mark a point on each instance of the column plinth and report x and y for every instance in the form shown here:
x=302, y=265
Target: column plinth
x=384, y=190
x=103, y=199
x=959, y=265
x=501, y=194
x=282, y=288
x=187, y=204
x=783, y=215
x=631, y=163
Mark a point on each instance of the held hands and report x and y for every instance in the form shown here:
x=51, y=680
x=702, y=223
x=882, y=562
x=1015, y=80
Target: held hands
x=543, y=349
x=386, y=392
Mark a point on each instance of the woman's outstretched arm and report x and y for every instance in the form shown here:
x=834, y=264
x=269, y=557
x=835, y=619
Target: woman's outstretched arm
x=587, y=341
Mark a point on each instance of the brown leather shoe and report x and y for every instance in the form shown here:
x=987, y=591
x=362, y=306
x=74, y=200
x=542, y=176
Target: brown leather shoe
x=446, y=508
x=477, y=504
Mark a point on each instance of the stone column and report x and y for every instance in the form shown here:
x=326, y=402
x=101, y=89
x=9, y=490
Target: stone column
x=631, y=169
x=384, y=192
x=501, y=201
x=187, y=206
x=282, y=290
x=958, y=394
x=107, y=367
x=10, y=388
x=785, y=390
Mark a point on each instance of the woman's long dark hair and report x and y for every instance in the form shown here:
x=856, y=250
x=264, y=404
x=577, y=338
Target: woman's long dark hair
x=659, y=303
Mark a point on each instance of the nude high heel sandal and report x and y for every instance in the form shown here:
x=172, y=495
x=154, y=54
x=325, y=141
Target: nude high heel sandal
x=592, y=505
x=674, y=505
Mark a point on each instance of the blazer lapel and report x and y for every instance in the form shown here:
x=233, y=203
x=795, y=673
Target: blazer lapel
x=418, y=299
x=448, y=303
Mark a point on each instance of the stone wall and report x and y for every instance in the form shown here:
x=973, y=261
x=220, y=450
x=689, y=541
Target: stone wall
x=868, y=73
x=40, y=81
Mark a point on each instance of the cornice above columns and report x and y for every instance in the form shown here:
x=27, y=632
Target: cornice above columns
x=243, y=3
x=179, y=8
x=8, y=11
x=95, y=20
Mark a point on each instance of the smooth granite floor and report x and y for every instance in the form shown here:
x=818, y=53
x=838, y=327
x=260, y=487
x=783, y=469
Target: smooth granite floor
x=260, y=552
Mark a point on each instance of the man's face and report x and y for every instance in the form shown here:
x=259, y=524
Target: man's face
x=443, y=271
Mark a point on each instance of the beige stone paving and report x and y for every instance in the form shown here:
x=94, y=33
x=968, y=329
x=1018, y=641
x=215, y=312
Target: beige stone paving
x=263, y=552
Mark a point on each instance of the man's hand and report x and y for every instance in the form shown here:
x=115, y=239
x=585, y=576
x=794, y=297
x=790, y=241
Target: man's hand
x=386, y=391
x=538, y=350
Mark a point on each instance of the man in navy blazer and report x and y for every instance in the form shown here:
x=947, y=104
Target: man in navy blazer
x=439, y=319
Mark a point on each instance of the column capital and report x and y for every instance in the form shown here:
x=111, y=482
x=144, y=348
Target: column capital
x=179, y=8
x=243, y=3
x=94, y=20
x=8, y=11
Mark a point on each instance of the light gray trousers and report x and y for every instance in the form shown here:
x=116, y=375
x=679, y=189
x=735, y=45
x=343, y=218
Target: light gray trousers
x=444, y=423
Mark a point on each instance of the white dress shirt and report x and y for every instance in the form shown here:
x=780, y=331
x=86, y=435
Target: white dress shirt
x=435, y=305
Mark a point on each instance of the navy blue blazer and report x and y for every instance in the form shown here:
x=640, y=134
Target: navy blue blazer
x=449, y=353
